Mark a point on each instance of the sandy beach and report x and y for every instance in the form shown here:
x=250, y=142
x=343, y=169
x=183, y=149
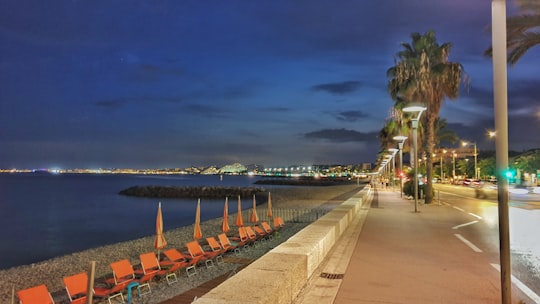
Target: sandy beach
x=51, y=272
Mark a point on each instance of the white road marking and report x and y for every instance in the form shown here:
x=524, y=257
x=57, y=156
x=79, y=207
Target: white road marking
x=476, y=216
x=458, y=208
x=463, y=225
x=526, y=290
x=468, y=243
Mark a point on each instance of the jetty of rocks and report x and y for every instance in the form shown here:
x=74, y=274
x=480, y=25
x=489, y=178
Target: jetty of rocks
x=191, y=191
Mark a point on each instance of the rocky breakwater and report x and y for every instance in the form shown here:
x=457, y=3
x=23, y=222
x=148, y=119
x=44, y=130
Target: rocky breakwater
x=191, y=191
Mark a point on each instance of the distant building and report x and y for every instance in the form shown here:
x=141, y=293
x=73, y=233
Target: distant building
x=235, y=168
x=210, y=170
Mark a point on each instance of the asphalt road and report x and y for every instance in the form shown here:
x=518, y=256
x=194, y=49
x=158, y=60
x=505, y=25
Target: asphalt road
x=479, y=227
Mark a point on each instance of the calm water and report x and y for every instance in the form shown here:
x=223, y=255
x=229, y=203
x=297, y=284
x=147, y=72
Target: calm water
x=44, y=216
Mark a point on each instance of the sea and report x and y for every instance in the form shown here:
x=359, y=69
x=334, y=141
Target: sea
x=48, y=215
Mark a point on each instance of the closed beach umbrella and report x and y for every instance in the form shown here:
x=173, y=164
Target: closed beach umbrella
x=254, y=217
x=225, y=223
x=197, y=233
x=239, y=219
x=160, y=241
x=270, y=214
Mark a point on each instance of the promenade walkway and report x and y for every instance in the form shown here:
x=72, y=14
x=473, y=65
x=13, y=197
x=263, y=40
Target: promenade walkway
x=390, y=254
x=395, y=255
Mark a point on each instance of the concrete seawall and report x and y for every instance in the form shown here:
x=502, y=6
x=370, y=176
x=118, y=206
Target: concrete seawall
x=280, y=275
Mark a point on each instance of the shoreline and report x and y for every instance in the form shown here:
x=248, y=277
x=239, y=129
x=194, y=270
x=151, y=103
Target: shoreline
x=50, y=272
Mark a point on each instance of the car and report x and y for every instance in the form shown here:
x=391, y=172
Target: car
x=469, y=182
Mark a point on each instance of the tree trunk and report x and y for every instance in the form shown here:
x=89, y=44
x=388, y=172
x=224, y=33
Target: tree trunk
x=430, y=144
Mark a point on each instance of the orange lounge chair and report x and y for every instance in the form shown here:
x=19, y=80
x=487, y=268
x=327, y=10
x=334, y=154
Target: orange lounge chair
x=35, y=295
x=76, y=287
x=242, y=239
x=196, y=251
x=228, y=245
x=111, y=293
x=269, y=231
x=252, y=235
x=122, y=272
x=176, y=260
x=216, y=247
x=150, y=269
x=261, y=234
x=278, y=223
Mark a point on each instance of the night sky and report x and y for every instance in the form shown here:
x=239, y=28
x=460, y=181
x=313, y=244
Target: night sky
x=162, y=84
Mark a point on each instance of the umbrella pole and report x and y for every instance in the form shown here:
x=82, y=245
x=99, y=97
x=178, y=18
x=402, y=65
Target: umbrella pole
x=90, y=288
x=13, y=294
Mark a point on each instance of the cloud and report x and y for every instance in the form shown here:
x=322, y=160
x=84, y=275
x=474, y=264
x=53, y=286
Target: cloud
x=351, y=116
x=338, y=88
x=341, y=135
x=523, y=93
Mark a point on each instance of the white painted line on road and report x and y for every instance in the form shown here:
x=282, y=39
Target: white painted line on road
x=463, y=225
x=468, y=243
x=526, y=290
x=476, y=216
x=458, y=208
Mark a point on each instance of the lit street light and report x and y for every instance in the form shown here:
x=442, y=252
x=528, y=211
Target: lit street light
x=442, y=172
x=401, y=140
x=500, y=101
x=475, y=158
x=419, y=110
x=394, y=151
x=454, y=165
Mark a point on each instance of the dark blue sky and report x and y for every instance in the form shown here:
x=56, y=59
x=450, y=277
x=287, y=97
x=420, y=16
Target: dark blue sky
x=156, y=83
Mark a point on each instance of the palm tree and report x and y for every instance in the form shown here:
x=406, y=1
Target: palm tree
x=522, y=30
x=423, y=74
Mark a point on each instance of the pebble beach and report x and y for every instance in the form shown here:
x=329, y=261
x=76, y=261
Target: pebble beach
x=51, y=272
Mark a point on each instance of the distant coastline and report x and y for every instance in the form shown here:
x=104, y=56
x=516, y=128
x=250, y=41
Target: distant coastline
x=310, y=181
x=220, y=191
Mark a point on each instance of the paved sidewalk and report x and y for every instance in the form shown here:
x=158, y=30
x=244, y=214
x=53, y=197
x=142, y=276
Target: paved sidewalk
x=394, y=255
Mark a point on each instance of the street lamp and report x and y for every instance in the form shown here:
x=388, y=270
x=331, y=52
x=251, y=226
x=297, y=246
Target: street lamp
x=383, y=172
x=454, y=165
x=500, y=101
x=475, y=159
x=401, y=140
x=419, y=110
x=442, y=172
x=394, y=151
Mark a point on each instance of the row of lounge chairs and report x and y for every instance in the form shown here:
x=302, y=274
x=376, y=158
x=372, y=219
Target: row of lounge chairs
x=125, y=276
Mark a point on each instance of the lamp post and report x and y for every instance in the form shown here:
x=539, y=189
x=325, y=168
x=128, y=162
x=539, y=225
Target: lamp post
x=500, y=101
x=442, y=171
x=475, y=159
x=383, y=169
x=394, y=151
x=419, y=110
x=401, y=140
x=492, y=135
x=454, y=165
